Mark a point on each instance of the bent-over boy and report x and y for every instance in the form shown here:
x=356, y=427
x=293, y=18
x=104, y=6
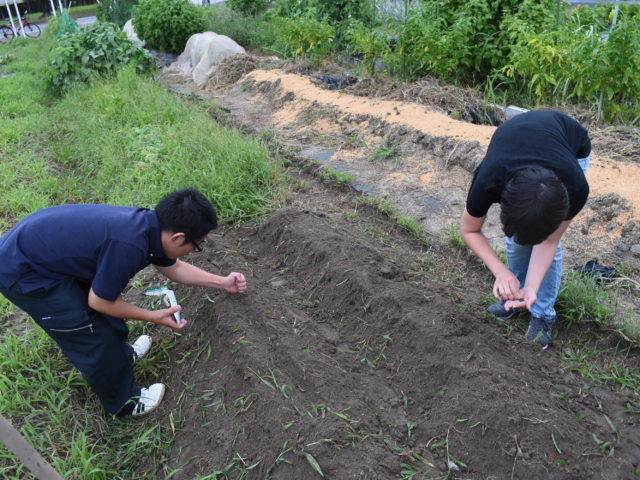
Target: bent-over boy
x=66, y=266
x=535, y=168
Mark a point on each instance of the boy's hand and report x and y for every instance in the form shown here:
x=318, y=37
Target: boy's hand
x=527, y=296
x=506, y=287
x=235, y=283
x=165, y=317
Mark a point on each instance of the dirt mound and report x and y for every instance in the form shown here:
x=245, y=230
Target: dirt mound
x=234, y=67
x=349, y=355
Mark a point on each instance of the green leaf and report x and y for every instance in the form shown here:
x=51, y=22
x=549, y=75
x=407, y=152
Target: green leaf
x=314, y=464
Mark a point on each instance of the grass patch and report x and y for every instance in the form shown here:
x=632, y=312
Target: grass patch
x=582, y=299
x=45, y=398
x=251, y=32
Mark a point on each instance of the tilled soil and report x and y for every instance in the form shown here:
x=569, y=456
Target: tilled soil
x=361, y=353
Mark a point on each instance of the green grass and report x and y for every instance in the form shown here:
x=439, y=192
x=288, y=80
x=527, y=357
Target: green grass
x=125, y=141
x=75, y=12
x=582, y=299
x=256, y=33
x=46, y=399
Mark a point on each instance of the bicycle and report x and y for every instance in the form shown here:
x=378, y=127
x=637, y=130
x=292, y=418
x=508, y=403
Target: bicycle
x=6, y=34
x=31, y=30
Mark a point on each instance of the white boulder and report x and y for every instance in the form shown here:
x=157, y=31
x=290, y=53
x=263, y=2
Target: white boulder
x=131, y=32
x=202, y=53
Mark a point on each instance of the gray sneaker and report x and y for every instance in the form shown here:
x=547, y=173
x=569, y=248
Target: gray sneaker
x=547, y=332
x=536, y=327
x=541, y=329
x=497, y=309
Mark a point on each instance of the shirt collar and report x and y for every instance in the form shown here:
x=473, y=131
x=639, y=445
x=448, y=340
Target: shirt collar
x=155, y=235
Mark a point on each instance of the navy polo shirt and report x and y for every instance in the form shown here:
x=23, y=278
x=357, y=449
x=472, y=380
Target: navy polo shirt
x=101, y=245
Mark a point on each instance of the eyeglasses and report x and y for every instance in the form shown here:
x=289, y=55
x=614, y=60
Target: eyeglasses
x=198, y=246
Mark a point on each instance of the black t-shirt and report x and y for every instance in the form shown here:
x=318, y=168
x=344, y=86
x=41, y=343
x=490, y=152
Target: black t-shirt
x=545, y=139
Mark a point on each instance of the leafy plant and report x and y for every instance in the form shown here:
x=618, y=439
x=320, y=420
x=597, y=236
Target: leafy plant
x=96, y=50
x=115, y=11
x=338, y=11
x=370, y=43
x=166, y=25
x=249, y=7
x=304, y=35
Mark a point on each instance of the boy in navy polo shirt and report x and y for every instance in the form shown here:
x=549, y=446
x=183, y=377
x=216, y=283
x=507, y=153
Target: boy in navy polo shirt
x=535, y=168
x=66, y=266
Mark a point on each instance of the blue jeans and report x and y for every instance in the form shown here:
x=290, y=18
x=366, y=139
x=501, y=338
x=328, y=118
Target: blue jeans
x=518, y=257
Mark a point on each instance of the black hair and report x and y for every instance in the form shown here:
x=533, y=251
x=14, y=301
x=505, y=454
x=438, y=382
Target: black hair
x=534, y=204
x=187, y=211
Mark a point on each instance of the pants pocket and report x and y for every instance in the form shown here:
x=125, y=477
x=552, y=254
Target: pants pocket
x=72, y=330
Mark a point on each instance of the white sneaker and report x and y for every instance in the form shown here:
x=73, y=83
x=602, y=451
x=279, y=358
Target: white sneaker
x=141, y=346
x=149, y=399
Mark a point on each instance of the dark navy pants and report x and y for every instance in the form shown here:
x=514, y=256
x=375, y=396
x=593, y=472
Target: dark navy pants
x=96, y=344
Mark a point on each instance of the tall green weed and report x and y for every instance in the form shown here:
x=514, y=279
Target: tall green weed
x=255, y=32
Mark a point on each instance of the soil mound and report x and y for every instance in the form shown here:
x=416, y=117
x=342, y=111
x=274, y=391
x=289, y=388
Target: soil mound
x=350, y=357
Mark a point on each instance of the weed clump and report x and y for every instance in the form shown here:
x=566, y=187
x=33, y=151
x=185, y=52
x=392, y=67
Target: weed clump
x=582, y=299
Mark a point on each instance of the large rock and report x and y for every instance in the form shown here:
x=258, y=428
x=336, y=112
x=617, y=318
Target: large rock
x=131, y=32
x=202, y=53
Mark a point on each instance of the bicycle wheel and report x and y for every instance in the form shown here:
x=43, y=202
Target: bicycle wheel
x=6, y=34
x=31, y=30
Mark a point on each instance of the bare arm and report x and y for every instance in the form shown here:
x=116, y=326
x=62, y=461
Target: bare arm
x=506, y=286
x=183, y=272
x=121, y=309
x=539, y=263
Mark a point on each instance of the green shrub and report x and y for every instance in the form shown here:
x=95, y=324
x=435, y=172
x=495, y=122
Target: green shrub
x=304, y=35
x=339, y=11
x=96, y=50
x=248, y=7
x=335, y=12
x=166, y=25
x=371, y=43
x=115, y=11
x=588, y=64
x=467, y=40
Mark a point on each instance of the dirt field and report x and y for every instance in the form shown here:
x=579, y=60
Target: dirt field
x=361, y=353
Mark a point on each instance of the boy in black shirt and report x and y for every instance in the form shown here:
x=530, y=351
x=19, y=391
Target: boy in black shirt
x=534, y=167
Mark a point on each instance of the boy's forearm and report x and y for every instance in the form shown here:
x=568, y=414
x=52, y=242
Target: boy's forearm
x=479, y=244
x=542, y=257
x=185, y=273
x=118, y=308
